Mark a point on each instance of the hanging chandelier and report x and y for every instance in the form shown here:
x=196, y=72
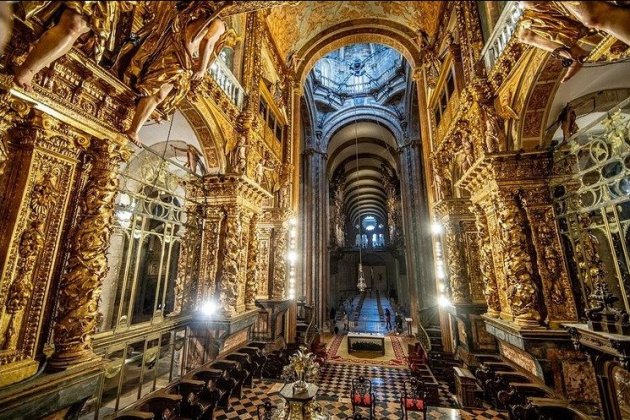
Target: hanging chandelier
x=361, y=285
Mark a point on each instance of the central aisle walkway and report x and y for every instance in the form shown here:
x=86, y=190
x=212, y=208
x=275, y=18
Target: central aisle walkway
x=370, y=319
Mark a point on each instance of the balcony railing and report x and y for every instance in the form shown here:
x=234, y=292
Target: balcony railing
x=503, y=31
x=227, y=82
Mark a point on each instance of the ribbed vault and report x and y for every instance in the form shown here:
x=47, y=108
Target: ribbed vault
x=359, y=152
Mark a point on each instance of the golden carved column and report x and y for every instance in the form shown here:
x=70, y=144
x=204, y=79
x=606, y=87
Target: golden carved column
x=228, y=287
x=523, y=293
x=188, y=267
x=251, y=283
x=80, y=286
x=490, y=289
x=552, y=268
x=11, y=112
x=245, y=234
x=212, y=225
x=456, y=263
x=39, y=177
x=280, y=242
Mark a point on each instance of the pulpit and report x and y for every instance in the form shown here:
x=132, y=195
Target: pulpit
x=297, y=402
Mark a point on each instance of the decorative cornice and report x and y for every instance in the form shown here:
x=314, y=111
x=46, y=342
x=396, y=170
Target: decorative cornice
x=230, y=189
x=506, y=168
x=451, y=208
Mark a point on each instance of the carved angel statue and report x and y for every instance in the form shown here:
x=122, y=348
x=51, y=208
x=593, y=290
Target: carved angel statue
x=78, y=18
x=429, y=58
x=494, y=135
x=193, y=158
x=264, y=165
x=174, y=49
x=441, y=181
x=238, y=156
x=468, y=154
x=557, y=26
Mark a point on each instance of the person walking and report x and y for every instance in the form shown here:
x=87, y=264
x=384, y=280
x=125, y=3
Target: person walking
x=345, y=321
x=388, y=319
x=333, y=316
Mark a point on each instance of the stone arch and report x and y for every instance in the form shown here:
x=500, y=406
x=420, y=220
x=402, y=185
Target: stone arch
x=209, y=132
x=376, y=31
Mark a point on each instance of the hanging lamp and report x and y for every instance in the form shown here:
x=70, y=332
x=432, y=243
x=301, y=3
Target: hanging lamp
x=361, y=285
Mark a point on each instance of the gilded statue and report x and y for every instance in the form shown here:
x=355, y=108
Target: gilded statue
x=557, y=26
x=238, y=156
x=175, y=49
x=429, y=58
x=78, y=18
x=468, y=153
x=442, y=180
x=263, y=166
x=494, y=135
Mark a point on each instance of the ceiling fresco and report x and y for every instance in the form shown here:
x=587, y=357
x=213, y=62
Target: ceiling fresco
x=292, y=26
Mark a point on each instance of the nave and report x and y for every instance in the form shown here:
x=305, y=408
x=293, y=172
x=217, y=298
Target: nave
x=206, y=205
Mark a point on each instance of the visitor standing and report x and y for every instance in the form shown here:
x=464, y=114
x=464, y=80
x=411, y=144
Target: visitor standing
x=345, y=321
x=388, y=319
x=399, y=323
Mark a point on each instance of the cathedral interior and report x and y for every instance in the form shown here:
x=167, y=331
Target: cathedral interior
x=314, y=210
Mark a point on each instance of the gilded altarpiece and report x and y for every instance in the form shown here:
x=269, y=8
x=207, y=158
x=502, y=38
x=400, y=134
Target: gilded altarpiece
x=43, y=157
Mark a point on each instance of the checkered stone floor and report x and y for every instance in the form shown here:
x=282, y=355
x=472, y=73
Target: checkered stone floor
x=334, y=389
x=336, y=380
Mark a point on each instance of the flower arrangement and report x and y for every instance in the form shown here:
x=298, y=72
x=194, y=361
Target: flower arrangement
x=302, y=369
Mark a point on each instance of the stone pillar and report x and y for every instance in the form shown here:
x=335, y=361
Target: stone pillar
x=37, y=185
x=416, y=228
x=80, y=286
x=315, y=234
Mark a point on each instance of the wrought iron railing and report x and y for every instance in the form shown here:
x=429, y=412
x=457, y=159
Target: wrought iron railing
x=592, y=201
x=227, y=82
x=502, y=33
